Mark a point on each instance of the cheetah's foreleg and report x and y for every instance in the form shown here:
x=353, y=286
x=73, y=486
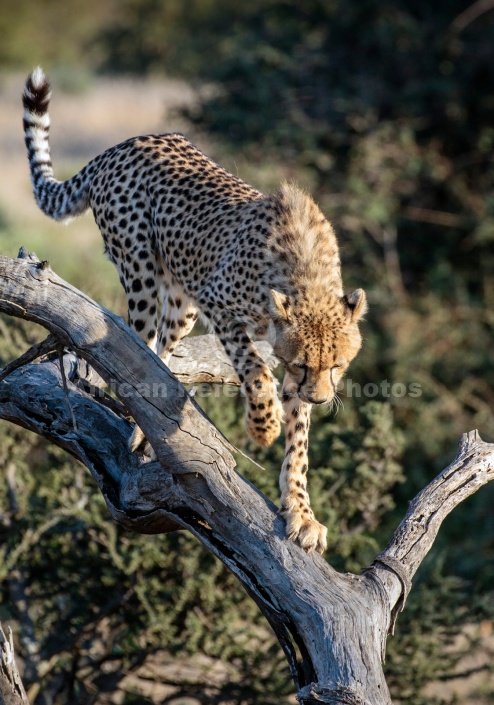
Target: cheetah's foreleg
x=295, y=503
x=264, y=413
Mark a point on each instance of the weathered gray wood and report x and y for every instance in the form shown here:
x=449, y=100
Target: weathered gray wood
x=203, y=359
x=145, y=498
x=472, y=468
x=332, y=627
x=11, y=689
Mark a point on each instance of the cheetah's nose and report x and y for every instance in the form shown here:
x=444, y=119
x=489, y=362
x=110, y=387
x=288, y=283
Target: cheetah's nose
x=315, y=401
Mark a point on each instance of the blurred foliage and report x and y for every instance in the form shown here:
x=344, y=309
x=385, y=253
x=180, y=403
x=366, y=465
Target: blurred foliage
x=52, y=32
x=427, y=648
x=93, y=601
x=385, y=111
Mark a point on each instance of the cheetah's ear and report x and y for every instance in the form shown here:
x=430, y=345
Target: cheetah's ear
x=280, y=305
x=357, y=303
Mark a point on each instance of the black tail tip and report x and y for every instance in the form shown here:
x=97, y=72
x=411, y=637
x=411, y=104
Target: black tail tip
x=37, y=92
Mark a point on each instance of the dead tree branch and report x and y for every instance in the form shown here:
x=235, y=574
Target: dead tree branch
x=332, y=627
x=11, y=689
x=203, y=360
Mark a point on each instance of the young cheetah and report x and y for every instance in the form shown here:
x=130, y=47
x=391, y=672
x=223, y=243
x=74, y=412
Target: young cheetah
x=187, y=237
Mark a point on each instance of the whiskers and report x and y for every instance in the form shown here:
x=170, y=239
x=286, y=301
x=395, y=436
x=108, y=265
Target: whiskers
x=335, y=404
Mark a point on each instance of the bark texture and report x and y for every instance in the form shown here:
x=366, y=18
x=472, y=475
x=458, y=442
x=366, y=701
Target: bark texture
x=11, y=689
x=332, y=627
x=203, y=359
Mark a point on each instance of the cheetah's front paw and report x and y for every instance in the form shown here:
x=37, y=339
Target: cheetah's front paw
x=263, y=421
x=305, y=529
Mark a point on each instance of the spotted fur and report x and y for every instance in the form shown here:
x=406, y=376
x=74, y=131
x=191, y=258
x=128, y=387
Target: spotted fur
x=188, y=237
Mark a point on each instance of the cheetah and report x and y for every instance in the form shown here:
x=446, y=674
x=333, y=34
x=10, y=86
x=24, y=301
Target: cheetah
x=189, y=238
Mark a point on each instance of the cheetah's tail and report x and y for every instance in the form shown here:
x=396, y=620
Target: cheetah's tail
x=60, y=200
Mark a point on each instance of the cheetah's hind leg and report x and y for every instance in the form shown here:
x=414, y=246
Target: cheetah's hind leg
x=178, y=316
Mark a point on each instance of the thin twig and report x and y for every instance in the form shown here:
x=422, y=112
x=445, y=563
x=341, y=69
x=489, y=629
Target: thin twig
x=472, y=13
x=66, y=389
x=48, y=345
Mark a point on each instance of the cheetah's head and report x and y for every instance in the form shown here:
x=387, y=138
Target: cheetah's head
x=316, y=342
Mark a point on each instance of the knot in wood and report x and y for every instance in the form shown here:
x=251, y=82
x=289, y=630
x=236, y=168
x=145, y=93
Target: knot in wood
x=43, y=266
x=40, y=270
x=314, y=694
